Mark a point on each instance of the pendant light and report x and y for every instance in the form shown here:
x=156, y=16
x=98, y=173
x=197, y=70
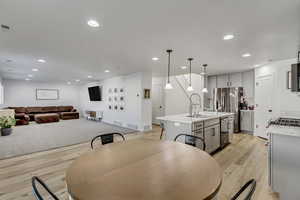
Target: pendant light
x=190, y=88
x=204, y=90
x=168, y=85
x=203, y=72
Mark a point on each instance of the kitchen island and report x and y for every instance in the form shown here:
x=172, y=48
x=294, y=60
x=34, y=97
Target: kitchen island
x=216, y=128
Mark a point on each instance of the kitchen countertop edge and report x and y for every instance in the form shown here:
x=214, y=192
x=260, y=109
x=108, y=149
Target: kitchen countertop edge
x=182, y=118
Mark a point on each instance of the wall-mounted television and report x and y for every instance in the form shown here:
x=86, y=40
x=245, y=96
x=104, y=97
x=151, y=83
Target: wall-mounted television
x=95, y=93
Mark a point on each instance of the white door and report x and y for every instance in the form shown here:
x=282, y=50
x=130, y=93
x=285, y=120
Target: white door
x=158, y=108
x=263, y=104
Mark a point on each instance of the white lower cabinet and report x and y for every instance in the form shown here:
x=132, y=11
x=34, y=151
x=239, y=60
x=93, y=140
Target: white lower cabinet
x=284, y=165
x=212, y=138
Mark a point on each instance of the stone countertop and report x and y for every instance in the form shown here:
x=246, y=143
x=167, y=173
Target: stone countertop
x=284, y=130
x=183, y=118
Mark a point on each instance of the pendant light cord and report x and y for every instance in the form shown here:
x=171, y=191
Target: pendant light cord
x=169, y=60
x=298, y=56
x=190, y=60
x=190, y=73
x=169, y=67
x=204, y=76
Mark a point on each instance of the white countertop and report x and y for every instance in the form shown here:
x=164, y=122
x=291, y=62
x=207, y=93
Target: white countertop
x=183, y=118
x=284, y=130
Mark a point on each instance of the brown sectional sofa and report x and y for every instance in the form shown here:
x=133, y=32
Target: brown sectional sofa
x=25, y=114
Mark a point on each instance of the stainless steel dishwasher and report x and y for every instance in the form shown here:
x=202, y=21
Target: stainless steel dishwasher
x=212, y=135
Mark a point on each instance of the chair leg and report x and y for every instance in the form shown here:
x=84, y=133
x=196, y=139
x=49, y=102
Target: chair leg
x=161, y=133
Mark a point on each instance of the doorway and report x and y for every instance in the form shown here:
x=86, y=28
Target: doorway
x=263, y=104
x=158, y=107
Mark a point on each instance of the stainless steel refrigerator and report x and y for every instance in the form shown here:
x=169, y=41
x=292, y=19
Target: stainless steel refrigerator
x=229, y=100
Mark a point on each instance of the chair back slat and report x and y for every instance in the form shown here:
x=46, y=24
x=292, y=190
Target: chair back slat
x=106, y=138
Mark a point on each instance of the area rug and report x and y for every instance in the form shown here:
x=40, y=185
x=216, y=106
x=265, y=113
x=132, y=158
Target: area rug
x=41, y=137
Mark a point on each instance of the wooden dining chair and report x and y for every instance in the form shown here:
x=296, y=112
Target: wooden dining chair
x=252, y=185
x=191, y=142
x=106, y=138
x=35, y=191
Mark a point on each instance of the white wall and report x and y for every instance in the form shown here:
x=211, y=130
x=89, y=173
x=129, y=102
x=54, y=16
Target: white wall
x=286, y=103
x=177, y=99
x=23, y=93
x=1, y=92
x=138, y=111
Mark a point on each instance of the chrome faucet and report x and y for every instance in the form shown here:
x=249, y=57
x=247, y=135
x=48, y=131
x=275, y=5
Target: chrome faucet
x=192, y=104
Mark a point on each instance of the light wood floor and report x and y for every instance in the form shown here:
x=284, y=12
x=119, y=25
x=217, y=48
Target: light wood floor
x=244, y=159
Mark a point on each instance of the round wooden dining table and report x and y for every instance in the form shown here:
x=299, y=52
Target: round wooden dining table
x=144, y=169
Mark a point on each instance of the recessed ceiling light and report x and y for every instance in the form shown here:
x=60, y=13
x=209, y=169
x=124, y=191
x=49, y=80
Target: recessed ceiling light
x=155, y=59
x=69, y=83
x=183, y=67
x=27, y=79
x=90, y=76
x=30, y=75
x=228, y=37
x=35, y=69
x=106, y=71
x=93, y=23
x=77, y=80
x=245, y=55
x=41, y=60
x=257, y=65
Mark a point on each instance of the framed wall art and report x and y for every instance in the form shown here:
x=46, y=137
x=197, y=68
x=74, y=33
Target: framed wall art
x=147, y=94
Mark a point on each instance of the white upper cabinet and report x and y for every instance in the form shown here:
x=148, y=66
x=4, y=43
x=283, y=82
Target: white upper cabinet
x=242, y=79
x=223, y=81
x=229, y=80
x=248, y=83
x=235, y=80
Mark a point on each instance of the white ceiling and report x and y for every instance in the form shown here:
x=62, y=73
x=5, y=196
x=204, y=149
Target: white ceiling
x=134, y=31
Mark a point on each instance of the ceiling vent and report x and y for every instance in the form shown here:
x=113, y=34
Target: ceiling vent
x=5, y=27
